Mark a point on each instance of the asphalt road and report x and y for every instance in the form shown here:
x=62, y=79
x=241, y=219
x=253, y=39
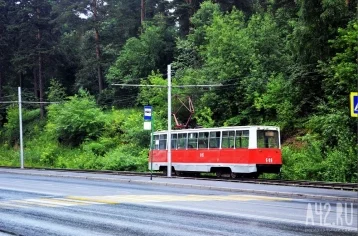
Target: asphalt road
x=38, y=205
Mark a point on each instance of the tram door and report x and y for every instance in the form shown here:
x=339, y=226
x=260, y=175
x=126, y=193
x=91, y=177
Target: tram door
x=227, y=153
x=242, y=145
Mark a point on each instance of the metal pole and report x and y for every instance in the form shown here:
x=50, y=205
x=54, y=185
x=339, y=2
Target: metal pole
x=151, y=146
x=169, y=136
x=20, y=121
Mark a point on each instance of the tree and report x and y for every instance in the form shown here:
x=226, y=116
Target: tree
x=341, y=69
x=33, y=36
x=5, y=52
x=102, y=27
x=183, y=10
x=45, y=41
x=152, y=51
x=316, y=24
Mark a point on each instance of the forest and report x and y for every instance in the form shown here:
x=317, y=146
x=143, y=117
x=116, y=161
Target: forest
x=288, y=63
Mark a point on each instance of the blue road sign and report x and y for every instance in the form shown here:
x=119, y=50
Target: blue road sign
x=147, y=113
x=354, y=104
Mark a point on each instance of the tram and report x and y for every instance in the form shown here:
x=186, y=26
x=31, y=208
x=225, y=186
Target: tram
x=235, y=151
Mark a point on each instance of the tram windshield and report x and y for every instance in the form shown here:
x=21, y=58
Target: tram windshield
x=267, y=139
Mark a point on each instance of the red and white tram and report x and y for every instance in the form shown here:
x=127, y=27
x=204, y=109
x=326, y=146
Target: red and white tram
x=238, y=150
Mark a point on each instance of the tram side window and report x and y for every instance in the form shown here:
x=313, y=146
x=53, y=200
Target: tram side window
x=267, y=139
x=192, y=140
x=162, y=141
x=181, y=141
x=156, y=142
x=242, y=139
x=228, y=139
x=203, y=139
x=174, y=140
x=214, y=141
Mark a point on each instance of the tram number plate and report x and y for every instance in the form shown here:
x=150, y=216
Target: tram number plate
x=269, y=160
x=201, y=154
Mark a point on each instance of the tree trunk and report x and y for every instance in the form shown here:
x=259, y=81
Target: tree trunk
x=41, y=82
x=98, y=49
x=142, y=12
x=1, y=82
x=36, y=85
x=98, y=57
x=41, y=87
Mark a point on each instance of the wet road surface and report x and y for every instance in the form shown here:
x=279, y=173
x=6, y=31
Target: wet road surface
x=37, y=205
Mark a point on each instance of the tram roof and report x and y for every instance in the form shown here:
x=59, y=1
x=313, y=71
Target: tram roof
x=259, y=127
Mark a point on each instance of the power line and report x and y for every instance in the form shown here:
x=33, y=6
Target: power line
x=173, y=86
x=41, y=102
x=9, y=102
x=25, y=102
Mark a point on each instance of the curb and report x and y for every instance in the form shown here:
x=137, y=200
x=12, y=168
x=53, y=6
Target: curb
x=195, y=186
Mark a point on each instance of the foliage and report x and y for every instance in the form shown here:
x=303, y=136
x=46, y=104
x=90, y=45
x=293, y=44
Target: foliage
x=341, y=70
x=140, y=56
x=286, y=63
x=337, y=164
x=204, y=118
x=10, y=132
x=9, y=156
x=275, y=101
x=56, y=91
x=155, y=96
x=127, y=158
x=75, y=120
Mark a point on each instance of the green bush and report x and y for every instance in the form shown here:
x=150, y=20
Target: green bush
x=126, y=158
x=128, y=123
x=314, y=161
x=9, y=156
x=305, y=163
x=101, y=146
x=76, y=120
x=11, y=130
x=40, y=151
x=78, y=159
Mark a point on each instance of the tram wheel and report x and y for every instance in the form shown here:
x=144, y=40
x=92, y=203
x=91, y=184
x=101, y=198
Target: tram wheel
x=233, y=175
x=218, y=173
x=165, y=171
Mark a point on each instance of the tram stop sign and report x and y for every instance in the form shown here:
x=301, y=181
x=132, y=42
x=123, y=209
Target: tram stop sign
x=147, y=113
x=354, y=104
x=147, y=117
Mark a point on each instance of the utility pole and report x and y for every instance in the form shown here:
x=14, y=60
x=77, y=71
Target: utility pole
x=20, y=121
x=169, y=135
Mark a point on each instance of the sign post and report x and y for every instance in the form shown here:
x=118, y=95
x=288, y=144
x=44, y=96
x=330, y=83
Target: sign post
x=354, y=104
x=148, y=125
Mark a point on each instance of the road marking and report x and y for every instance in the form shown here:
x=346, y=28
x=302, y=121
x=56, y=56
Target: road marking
x=34, y=202
x=11, y=205
x=116, y=199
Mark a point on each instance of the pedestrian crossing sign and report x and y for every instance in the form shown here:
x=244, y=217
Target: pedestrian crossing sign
x=354, y=104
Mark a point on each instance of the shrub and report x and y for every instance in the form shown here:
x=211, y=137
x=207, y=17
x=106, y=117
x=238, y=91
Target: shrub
x=76, y=120
x=126, y=158
x=30, y=120
x=9, y=156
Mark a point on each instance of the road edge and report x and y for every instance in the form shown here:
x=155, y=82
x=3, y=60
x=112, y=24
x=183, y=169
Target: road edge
x=196, y=186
